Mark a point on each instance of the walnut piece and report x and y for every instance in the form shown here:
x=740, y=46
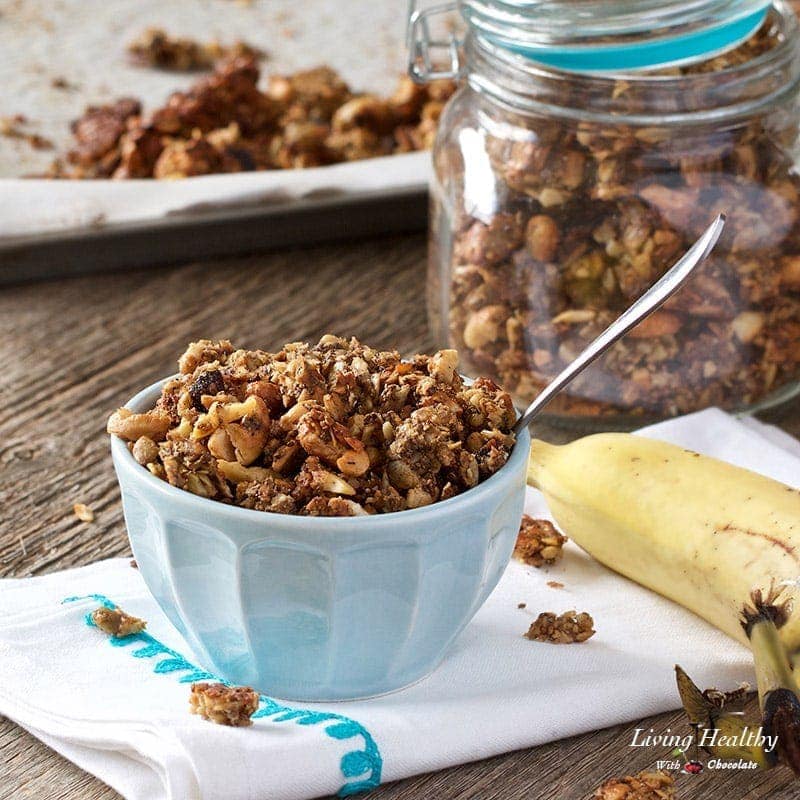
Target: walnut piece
x=647, y=785
x=115, y=622
x=538, y=542
x=224, y=705
x=566, y=628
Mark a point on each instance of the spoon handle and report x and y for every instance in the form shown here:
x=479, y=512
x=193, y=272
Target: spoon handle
x=664, y=288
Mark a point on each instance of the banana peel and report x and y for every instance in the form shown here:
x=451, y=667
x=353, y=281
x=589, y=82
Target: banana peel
x=713, y=537
x=720, y=731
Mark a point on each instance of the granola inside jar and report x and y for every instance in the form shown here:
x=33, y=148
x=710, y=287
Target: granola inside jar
x=561, y=193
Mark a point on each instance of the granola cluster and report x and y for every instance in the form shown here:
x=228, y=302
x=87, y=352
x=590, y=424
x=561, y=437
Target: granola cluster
x=154, y=47
x=647, y=785
x=226, y=123
x=117, y=623
x=566, y=628
x=334, y=429
x=538, y=542
x=585, y=217
x=224, y=705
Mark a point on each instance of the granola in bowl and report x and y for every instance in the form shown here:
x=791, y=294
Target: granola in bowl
x=333, y=429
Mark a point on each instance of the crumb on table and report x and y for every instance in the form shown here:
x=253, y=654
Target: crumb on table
x=647, y=785
x=566, y=628
x=522, y=605
x=224, y=705
x=115, y=622
x=538, y=542
x=555, y=584
x=83, y=512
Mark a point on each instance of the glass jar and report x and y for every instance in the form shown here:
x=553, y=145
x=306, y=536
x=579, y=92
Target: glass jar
x=561, y=194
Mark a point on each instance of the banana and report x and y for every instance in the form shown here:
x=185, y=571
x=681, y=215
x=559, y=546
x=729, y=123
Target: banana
x=694, y=529
x=720, y=540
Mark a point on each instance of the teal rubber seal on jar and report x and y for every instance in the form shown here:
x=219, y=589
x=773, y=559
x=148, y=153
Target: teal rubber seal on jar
x=667, y=52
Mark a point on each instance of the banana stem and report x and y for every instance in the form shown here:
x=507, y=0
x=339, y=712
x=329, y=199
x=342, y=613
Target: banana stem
x=773, y=668
x=777, y=690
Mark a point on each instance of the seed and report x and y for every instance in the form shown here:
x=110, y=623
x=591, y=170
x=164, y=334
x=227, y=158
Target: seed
x=353, y=462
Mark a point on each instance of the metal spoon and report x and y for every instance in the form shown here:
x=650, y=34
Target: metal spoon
x=646, y=304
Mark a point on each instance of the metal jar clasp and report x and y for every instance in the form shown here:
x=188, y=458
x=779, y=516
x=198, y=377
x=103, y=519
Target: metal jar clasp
x=423, y=48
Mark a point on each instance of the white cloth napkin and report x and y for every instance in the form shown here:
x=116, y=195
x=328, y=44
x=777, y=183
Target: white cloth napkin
x=121, y=712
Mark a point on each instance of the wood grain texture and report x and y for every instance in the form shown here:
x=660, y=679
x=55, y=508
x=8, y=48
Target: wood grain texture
x=73, y=350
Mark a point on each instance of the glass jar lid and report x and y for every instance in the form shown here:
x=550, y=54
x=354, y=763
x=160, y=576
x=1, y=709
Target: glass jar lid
x=596, y=35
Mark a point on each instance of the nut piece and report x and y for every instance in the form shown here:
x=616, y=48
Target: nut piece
x=542, y=237
x=484, y=326
x=747, y=325
x=538, y=542
x=647, y=785
x=659, y=323
x=129, y=426
x=83, y=512
x=790, y=272
x=237, y=473
x=145, y=451
x=115, y=622
x=443, y=365
x=567, y=628
x=353, y=462
x=224, y=705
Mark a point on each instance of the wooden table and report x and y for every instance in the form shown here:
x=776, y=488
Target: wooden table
x=73, y=350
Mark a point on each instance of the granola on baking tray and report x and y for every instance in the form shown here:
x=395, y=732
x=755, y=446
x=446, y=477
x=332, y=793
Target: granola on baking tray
x=226, y=123
x=585, y=216
x=333, y=429
x=154, y=47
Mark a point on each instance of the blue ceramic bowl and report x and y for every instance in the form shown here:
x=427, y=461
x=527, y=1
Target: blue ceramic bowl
x=319, y=608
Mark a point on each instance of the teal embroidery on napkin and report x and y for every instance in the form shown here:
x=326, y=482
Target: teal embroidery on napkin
x=354, y=764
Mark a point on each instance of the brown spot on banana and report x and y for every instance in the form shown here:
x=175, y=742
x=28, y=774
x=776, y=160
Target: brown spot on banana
x=774, y=540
